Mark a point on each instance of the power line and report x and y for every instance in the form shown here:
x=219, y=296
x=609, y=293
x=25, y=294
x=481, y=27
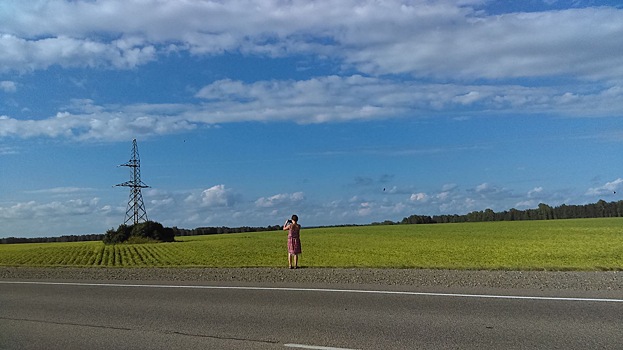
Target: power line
x=135, y=212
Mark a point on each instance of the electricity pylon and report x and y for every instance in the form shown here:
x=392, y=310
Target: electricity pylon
x=136, y=208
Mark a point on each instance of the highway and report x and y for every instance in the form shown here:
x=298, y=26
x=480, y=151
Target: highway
x=132, y=315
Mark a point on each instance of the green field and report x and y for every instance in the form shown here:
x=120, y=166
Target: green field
x=585, y=244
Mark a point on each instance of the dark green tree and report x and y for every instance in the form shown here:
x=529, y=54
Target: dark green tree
x=118, y=236
x=147, y=230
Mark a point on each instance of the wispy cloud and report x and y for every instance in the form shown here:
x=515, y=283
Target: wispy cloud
x=4, y=150
x=281, y=200
x=51, y=210
x=8, y=86
x=61, y=190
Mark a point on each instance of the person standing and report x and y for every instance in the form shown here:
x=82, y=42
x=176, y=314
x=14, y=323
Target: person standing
x=294, y=241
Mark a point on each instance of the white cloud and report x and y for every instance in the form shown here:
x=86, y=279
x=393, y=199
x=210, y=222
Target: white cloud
x=484, y=188
x=282, y=199
x=8, y=86
x=98, y=124
x=488, y=191
x=52, y=210
x=218, y=196
x=526, y=204
x=316, y=100
x=364, y=209
x=220, y=205
x=535, y=191
x=419, y=197
x=608, y=188
x=4, y=150
x=469, y=44
x=446, y=39
x=60, y=190
x=336, y=98
x=468, y=98
x=443, y=195
x=25, y=54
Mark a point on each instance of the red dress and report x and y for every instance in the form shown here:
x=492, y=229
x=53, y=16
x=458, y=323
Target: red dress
x=294, y=239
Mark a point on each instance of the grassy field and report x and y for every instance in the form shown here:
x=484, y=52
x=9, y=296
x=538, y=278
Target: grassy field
x=586, y=244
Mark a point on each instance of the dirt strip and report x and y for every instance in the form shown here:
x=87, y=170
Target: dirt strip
x=611, y=281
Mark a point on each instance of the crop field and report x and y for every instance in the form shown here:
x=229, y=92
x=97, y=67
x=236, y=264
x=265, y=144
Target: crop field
x=584, y=244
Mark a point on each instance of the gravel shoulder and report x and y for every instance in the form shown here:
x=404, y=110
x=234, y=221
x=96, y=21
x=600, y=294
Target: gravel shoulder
x=610, y=282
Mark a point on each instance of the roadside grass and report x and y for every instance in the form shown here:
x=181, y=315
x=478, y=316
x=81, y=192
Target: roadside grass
x=583, y=244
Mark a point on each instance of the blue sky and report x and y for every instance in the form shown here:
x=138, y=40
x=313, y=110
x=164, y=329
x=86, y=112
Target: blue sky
x=340, y=111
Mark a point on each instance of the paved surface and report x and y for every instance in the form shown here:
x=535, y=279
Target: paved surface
x=81, y=314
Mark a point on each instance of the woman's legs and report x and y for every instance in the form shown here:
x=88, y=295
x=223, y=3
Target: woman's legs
x=293, y=261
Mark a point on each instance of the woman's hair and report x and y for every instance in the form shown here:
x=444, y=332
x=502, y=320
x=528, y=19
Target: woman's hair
x=295, y=218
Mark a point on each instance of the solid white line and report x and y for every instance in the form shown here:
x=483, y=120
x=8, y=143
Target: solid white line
x=326, y=290
x=303, y=346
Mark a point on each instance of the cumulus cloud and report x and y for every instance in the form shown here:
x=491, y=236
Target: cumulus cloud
x=450, y=200
x=218, y=196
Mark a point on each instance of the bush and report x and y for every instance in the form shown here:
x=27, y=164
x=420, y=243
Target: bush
x=118, y=236
x=142, y=232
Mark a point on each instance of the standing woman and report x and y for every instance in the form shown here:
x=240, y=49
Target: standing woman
x=294, y=241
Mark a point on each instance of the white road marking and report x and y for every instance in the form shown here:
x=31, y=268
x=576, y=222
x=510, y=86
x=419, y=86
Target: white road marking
x=303, y=346
x=325, y=290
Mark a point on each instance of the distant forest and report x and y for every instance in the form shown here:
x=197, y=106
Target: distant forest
x=601, y=209
x=178, y=232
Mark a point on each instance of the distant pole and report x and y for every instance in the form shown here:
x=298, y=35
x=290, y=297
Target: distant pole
x=136, y=208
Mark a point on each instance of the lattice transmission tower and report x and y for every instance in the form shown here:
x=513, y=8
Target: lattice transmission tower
x=136, y=208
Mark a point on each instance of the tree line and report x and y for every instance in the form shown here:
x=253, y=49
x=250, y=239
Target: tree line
x=67, y=238
x=200, y=231
x=601, y=209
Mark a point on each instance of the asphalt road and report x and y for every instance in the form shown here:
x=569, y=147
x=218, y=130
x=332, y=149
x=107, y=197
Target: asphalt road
x=36, y=315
